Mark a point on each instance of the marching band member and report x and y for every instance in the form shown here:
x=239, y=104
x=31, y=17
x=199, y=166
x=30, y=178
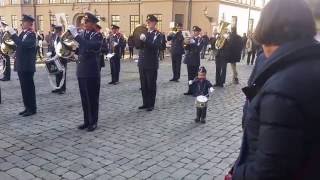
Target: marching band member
x=103, y=46
x=192, y=57
x=59, y=77
x=115, y=43
x=25, y=63
x=7, y=72
x=177, y=50
x=88, y=70
x=149, y=63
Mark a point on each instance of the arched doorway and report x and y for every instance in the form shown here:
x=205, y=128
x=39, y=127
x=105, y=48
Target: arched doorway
x=77, y=19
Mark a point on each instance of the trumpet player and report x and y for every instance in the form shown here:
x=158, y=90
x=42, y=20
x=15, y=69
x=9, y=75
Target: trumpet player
x=115, y=43
x=25, y=63
x=88, y=69
x=6, y=60
x=177, y=50
x=193, y=47
x=59, y=77
x=149, y=63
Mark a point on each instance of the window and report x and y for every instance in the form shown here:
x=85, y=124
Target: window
x=250, y=30
x=2, y=18
x=14, y=21
x=14, y=1
x=52, y=1
x=134, y=22
x=115, y=0
x=115, y=20
x=234, y=22
x=40, y=22
x=66, y=1
x=53, y=19
x=134, y=0
x=159, y=24
x=68, y=19
x=39, y=1
x=1, y=2
x=26, y=1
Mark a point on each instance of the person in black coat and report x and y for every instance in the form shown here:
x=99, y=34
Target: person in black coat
x=62, y=75
x=205, y=40
x=115, y=43
x=25, y=63
x=104, y=47
x=192, y=57
x=177, y=50
x=148, y=63
x=131, y=46
x=221, y=61
x=6, y=60
x=281, y=138
x=88, y=69
x=201, y=87
x=234, y=48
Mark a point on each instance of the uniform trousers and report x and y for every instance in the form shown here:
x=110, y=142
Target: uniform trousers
x=148, y=80
x=89, y=92
x=59, y=77
x=7, y=72
x=192, y=73
x=28, y=90
x=221, y=70
x=115, y=69
x=176, y=65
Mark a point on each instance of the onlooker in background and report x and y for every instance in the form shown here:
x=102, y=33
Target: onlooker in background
x=123, y=48
x=205, y=41
x=131, y=46
x=252, y=47
x=244, y=42
x=40, y=39
x=235, y=47
x=6, y=60
x=281, y=123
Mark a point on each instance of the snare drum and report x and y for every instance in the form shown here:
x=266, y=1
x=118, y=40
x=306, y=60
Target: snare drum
x=201, y=101
x=54, y=66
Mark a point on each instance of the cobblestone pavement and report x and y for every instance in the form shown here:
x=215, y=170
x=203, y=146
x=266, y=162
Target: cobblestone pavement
x=129, y=143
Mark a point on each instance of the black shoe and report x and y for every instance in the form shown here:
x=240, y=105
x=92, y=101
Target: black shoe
x=82, y=126
x=142, y=107
x=29, y=113
x=61, y=92
x=115, y=83
x=197, y=120
x=4, y=79
x=111, y=82
x=216, y=85
x=172, y=79
x=150, y=108
x=203, y=121
x=92, y=128
x=187, y=93
x=21, y=113
x=55, y=91
x=176, y=80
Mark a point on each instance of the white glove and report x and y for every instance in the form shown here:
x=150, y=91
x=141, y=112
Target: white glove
x=190, y=82
x=226, y=35
x=211, y=89
x=73, y=30
x=115, y=44
x=143, y=37
x=10, y=30
x=192, y=41
x=49, y=54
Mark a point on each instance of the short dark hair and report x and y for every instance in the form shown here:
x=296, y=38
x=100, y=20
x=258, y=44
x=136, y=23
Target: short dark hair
x=283, y=21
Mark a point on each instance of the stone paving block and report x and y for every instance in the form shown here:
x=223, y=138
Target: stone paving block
x=5, y=176
x=128, y=142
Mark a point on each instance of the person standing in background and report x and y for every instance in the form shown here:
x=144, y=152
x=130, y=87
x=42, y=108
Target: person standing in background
x=131, y=46
x=6, y=61
x=205, y=41
x=244, y=42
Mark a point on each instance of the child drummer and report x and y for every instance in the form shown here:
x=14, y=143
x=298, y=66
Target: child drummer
x=201, y=87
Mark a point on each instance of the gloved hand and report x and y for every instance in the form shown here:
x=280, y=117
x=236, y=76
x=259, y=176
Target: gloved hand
x=143, y=37
x=115, y=44
x=211, y=89
x=190, y=82
x=192, y=41
x=73, y=30
x=10, y=30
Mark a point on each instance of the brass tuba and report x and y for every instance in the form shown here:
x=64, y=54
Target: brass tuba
x=223, y=29
x=67, y=46
x=8, y=47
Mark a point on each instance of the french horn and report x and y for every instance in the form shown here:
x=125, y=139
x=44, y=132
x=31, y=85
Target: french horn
x=8, y=47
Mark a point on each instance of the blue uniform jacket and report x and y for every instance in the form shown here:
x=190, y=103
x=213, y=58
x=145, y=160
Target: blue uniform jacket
x=192, y=56
x=89, y=54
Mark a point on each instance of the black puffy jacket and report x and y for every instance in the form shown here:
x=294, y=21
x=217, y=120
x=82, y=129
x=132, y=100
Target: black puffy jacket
x=281, y=138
